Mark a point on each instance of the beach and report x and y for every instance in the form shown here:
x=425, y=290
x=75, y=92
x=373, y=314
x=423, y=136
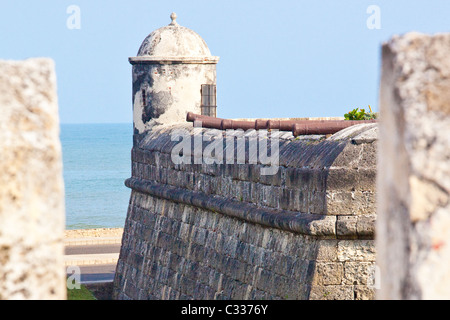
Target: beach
x=94, y=233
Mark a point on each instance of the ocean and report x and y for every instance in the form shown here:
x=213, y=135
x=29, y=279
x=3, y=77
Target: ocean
x=96, y=160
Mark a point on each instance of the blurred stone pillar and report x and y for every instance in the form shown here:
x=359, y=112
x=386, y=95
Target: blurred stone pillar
x=32, y=219
x=413, y=227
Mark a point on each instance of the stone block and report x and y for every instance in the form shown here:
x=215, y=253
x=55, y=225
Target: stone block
x=350, y=202
x=328, y=273
x=364, y=293
x=327, y=250
x=346, y=227
x=332, y=292
x=344, y=179
x=356, y=250
x=359, y=273
x=349, y=157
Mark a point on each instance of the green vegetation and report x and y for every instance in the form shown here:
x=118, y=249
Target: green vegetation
x=361, y=114
x=80, y=294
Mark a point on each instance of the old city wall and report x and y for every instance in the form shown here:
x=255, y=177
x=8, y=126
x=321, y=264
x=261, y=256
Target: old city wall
x=226, y=231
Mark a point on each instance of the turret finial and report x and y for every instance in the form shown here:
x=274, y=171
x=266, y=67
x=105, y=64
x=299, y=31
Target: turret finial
x=173, y=16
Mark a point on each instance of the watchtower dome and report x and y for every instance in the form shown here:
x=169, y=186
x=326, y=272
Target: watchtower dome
x=173, y=73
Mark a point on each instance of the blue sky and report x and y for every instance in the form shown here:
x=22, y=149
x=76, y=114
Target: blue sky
x=284, y=58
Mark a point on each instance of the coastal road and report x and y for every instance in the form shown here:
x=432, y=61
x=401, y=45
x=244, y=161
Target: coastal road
x=97, y=273
x=94, y=249
x=96, y=260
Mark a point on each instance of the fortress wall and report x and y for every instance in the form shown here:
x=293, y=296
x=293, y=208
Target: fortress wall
x=228, y=231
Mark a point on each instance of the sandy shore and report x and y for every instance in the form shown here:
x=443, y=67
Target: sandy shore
x=94, y=233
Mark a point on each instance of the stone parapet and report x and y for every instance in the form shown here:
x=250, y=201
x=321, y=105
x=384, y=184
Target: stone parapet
x=334, y=176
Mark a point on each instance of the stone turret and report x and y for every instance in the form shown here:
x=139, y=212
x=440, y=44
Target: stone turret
x=169, y=71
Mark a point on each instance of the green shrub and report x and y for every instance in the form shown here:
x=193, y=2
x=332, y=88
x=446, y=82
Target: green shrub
x=360, y=114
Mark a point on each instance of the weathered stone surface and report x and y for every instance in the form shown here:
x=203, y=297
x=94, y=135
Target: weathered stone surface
x=174, y=41
x=249, y=230
x=332, y=292
x=199, y=254
x=327, y=177
x=172, y=64
x=31, y=184
x=359, y=273
x=330, y=273
x=414, y=169
x=346, y=226
x=362, y=250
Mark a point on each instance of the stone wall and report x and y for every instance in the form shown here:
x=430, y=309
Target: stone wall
x=226, y=231
x=31, y=183
x=414, y=168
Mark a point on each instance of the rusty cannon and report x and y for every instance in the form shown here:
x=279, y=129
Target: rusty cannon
x=297, y=127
